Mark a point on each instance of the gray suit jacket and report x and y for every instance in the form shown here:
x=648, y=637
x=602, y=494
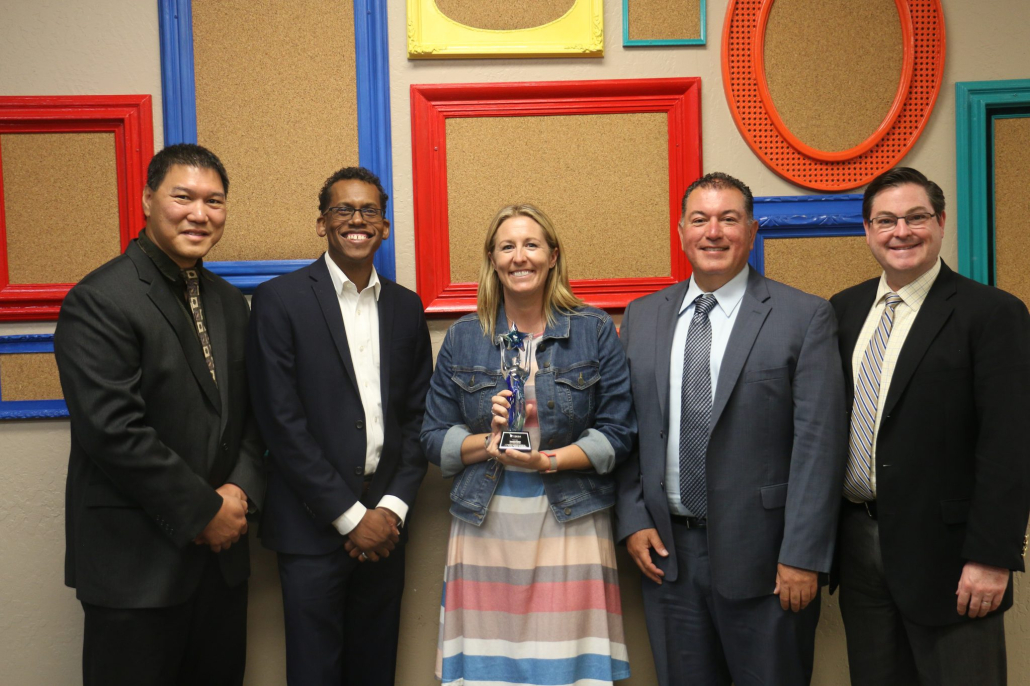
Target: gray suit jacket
x=776, y=452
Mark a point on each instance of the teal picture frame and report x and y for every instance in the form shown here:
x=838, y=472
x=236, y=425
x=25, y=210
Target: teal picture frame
x=977, y=105
x=627, y=42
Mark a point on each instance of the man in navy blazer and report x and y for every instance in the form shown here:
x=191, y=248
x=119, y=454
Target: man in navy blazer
x=339, y=361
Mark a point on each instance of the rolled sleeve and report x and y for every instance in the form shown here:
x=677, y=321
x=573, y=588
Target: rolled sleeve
x=598, y=449
x=450, y=451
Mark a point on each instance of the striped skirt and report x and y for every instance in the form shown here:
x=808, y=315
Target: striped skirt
x=528, y=600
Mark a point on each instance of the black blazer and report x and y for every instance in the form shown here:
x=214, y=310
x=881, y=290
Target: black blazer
x=306, y=399
x=152, y=436
x=951, y=455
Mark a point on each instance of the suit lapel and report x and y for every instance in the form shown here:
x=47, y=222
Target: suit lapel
x=385, y=308
x=322, y=284
x=665, y=330
x=214, y=319
x=177, y=317
x=935, y=311
x=754, y=308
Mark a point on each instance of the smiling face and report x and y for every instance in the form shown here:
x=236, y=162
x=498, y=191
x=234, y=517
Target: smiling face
x=904, y=252
x=716, y=235
x=353, y=242
x=186, y=214
x=522, y=258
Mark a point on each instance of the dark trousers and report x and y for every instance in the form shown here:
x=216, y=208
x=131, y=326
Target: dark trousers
x=700, y=638
x=884, y=648
x=202, y=642
x=342, y=618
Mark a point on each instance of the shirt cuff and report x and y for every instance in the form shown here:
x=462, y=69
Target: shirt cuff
x=346, y=522
x=450, y=451
x=394, y=505
x=598, y=449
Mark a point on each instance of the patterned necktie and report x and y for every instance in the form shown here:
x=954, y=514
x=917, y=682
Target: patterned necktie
x=696, y=408
x=858, y=481
x=193, y=296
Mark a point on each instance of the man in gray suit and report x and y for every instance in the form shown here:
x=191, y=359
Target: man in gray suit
x=730, y=507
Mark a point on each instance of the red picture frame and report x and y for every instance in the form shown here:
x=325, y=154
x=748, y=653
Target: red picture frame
x=432, y=105
x=130, y=119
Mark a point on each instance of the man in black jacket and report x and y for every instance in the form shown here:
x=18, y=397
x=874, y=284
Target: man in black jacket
x=165, y=457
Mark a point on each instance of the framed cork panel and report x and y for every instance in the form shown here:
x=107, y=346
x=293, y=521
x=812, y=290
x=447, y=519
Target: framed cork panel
x=324, y=134
x=563, y=134
x=985, y=204
x=99, y=147
x=830, y=94
x=663, y=22
x=440, y=29
x=812, y=242
x=1011, y=204
x=29, y=385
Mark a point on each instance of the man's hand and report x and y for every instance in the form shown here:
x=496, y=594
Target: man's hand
x=981, y=589
x=639, y=545
x=374, y=536
x=796, y=587
x=229, y=523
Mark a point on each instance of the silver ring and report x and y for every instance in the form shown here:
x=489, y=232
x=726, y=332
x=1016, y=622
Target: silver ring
x=364, y=556
x=985, y=601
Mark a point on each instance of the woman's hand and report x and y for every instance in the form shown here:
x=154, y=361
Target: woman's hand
x=498, y=423
x=530, y=460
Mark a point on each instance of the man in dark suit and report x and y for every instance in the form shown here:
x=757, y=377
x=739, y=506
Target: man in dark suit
x=340, y=361
x=730, y=507
x=165, y=457
x=936, y=502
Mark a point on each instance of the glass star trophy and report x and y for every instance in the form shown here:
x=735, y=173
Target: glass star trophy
x=516, y=357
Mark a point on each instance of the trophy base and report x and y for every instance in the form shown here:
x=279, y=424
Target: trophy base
x=515, y=440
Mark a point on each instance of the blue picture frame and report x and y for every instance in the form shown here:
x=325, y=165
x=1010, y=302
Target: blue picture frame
x=804, y=216
x=977, y=105
x=371, y=47
x=30, y=409
x=628, y=42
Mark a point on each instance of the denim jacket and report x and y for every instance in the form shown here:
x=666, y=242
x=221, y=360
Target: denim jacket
x=582, y=390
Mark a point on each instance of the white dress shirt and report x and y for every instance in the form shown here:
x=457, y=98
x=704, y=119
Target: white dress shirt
x=721, y=317
x=360, y=314
x=912, y=297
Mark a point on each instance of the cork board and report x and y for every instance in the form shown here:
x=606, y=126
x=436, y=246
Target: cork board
x=60, y=205
x=29, y=376
x=504, y=15
x=664, y=19
x=276, y=101
x=1012, y=206
x=602, y=179
x=823, y=266
x=833, y=68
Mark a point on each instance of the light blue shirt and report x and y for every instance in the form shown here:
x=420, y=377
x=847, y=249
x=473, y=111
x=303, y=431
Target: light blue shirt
x=721, y=317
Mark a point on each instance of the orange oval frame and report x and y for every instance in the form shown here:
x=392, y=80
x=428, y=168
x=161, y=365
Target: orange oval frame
x=747, y=93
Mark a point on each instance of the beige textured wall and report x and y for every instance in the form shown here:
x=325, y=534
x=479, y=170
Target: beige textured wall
x=109, y=46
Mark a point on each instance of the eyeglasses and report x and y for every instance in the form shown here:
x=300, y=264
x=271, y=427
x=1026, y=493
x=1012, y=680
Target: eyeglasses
x=916, y=220
x=343, y=213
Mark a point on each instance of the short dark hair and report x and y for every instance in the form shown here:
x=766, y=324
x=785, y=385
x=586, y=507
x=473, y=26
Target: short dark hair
x=187, y=155
x=351, y=174
x=721, y=180
x=899, y=176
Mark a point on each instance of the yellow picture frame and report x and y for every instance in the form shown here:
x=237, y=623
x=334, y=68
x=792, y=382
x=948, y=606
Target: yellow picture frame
x=434, y=35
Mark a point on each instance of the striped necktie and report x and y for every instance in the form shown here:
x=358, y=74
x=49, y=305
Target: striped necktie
x=858, y=480
x=696, y=408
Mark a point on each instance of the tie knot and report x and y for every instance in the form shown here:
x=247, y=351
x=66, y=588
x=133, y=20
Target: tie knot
x=893, y=299
x=704, y=303
x=190, y=275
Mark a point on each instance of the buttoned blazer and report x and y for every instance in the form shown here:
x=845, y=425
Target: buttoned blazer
x=309, y=409
x=152, y=435
x=951, y=455
x=774, y=462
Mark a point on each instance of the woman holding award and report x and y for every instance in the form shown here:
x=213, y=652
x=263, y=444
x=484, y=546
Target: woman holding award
x=529, y=409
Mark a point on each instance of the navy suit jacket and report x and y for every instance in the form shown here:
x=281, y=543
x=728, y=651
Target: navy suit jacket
x=309, y=410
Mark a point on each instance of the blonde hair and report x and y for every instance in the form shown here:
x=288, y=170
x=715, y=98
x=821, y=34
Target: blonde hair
x=558, y=294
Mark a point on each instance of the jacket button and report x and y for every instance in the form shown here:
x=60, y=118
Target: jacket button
x=546, y=365
x=225, y=447
x=568, y=510
x=550, y=404
x=662, y=484
x=661, y=434
x=359, y=471
x=359, y=424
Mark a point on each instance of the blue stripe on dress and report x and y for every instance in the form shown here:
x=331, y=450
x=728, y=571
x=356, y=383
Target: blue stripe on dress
x=520, y=484
x=534, y=671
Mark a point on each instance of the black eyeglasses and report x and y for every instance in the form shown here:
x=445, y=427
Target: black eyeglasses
x=886, y=222
x=344, y=213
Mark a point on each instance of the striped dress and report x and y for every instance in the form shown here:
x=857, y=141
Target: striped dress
x=528, y=600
